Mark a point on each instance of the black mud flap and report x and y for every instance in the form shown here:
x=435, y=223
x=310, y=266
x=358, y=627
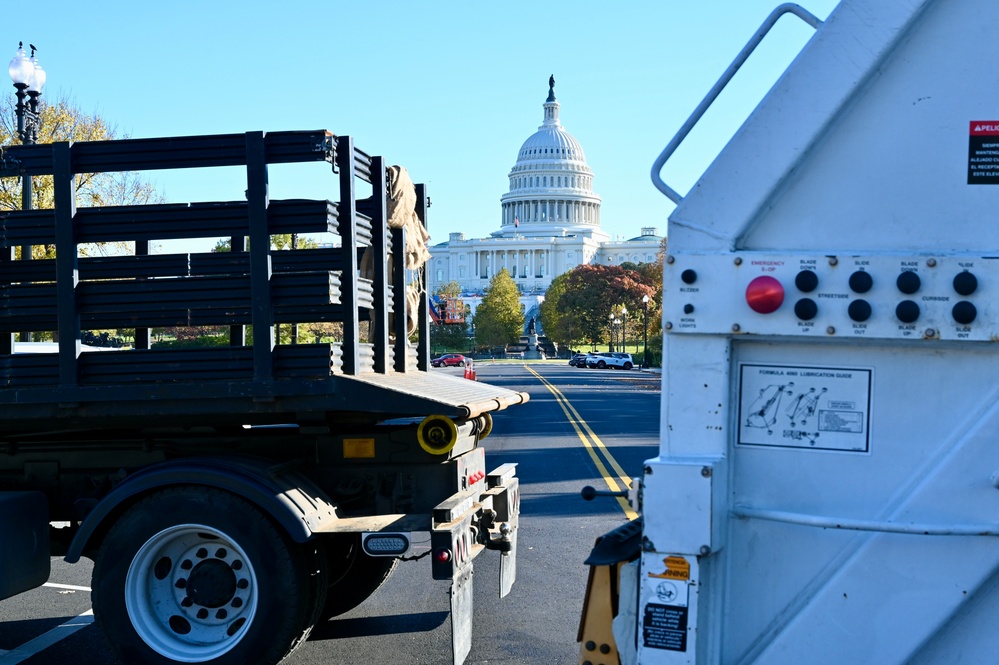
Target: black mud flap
x=24, y=550
x=461, y=614
x=464, y=526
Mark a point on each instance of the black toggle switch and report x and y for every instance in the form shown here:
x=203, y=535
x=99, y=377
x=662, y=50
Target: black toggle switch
x=806, y=281
x=908, y=283
x=859, y=310
x=907, y=311
x=965, y=283
x=806, y=309
x=861, y=282
x=964, y=312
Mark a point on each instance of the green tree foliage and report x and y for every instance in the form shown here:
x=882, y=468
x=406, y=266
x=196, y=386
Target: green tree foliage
x=449, y=289
x=560, y=325
x=498, y=319
x=61, y=120
x=584, y=299
x=448, y=337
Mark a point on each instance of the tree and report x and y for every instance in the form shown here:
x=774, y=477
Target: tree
x=561, y=326
x=449, y=289
x=62, y=121
x=584, y=297
x=498, y=318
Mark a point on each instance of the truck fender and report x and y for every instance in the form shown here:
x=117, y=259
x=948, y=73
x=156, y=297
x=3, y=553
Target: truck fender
x=291, y=499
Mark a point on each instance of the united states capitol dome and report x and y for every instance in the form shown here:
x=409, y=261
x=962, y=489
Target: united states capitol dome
x=551, y=185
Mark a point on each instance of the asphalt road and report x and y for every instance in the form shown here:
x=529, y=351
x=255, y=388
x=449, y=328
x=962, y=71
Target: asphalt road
x=555, y=439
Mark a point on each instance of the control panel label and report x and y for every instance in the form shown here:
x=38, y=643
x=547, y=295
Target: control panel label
x=815, y=408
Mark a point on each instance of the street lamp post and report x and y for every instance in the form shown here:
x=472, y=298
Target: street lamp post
x=29, y=79
x=610, y=327
x=624, y=328
x=645, y=341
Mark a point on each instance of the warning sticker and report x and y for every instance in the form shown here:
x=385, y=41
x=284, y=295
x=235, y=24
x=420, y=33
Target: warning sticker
x=983, y=152
x=817, y=408
x=665, y=627
x=677, y=568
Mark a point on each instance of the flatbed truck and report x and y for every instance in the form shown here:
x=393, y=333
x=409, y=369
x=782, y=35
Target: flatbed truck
x=231, y=497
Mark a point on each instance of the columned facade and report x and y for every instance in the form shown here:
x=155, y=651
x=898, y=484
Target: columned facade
x=549, y=222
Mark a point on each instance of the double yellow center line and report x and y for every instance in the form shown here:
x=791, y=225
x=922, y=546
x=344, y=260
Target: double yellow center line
x=593, y=445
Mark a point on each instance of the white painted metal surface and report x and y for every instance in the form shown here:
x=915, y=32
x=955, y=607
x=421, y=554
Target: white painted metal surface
x=825, y=472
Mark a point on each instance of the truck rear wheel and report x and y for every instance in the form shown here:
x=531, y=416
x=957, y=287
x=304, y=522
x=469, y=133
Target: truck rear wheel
x=197, y=575
x=354, y=575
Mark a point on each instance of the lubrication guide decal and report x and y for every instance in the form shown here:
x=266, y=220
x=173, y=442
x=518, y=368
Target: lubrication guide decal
x=816, y=408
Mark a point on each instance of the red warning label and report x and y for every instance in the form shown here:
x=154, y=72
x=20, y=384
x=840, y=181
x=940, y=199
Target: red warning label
x=985, y=127
x=983, y=152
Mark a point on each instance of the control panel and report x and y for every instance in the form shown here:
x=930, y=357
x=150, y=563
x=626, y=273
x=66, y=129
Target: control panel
x=878, y=296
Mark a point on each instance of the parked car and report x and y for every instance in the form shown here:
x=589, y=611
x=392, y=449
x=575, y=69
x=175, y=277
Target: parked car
x=578, y=360
x=450, y=360
x=608, y=359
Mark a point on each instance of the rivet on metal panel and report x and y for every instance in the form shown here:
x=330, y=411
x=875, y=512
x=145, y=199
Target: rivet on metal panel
x=738, y=261
x=736, y=327
x=830, y=330
x=670, y=260
x=930, y=332
x=833, y=261
x=706, y=471
x=669, y=325
x=705, y=550
x=932, y=263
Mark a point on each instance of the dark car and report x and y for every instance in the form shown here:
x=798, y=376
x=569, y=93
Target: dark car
x=578, y=360
x=450, y=360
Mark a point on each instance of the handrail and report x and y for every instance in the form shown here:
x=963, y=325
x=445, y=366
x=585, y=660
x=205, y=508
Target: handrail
x=747, y=50
x=852, y=524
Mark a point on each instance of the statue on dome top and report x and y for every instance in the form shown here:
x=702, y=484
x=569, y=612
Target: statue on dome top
x=551, y=83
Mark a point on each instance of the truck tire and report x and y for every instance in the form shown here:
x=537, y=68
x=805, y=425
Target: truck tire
x=198, y=575
x=354, y=575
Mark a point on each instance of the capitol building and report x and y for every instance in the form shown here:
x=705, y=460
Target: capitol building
x=550, y=223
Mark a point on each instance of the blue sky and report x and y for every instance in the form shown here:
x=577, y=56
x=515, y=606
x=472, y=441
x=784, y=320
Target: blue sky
x=448, y=89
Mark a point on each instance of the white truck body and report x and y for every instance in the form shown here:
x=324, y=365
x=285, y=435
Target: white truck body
x=826, y=485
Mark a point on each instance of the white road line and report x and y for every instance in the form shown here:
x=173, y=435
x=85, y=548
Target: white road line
x=71, y=587
x=44, y=641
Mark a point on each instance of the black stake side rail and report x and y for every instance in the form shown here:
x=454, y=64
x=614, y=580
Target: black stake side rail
x=256, y=287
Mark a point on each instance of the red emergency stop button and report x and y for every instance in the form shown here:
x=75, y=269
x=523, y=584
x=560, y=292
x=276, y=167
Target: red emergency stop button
x=765, y=294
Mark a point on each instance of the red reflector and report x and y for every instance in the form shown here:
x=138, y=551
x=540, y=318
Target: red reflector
x=764, y=294
x=442, y=556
